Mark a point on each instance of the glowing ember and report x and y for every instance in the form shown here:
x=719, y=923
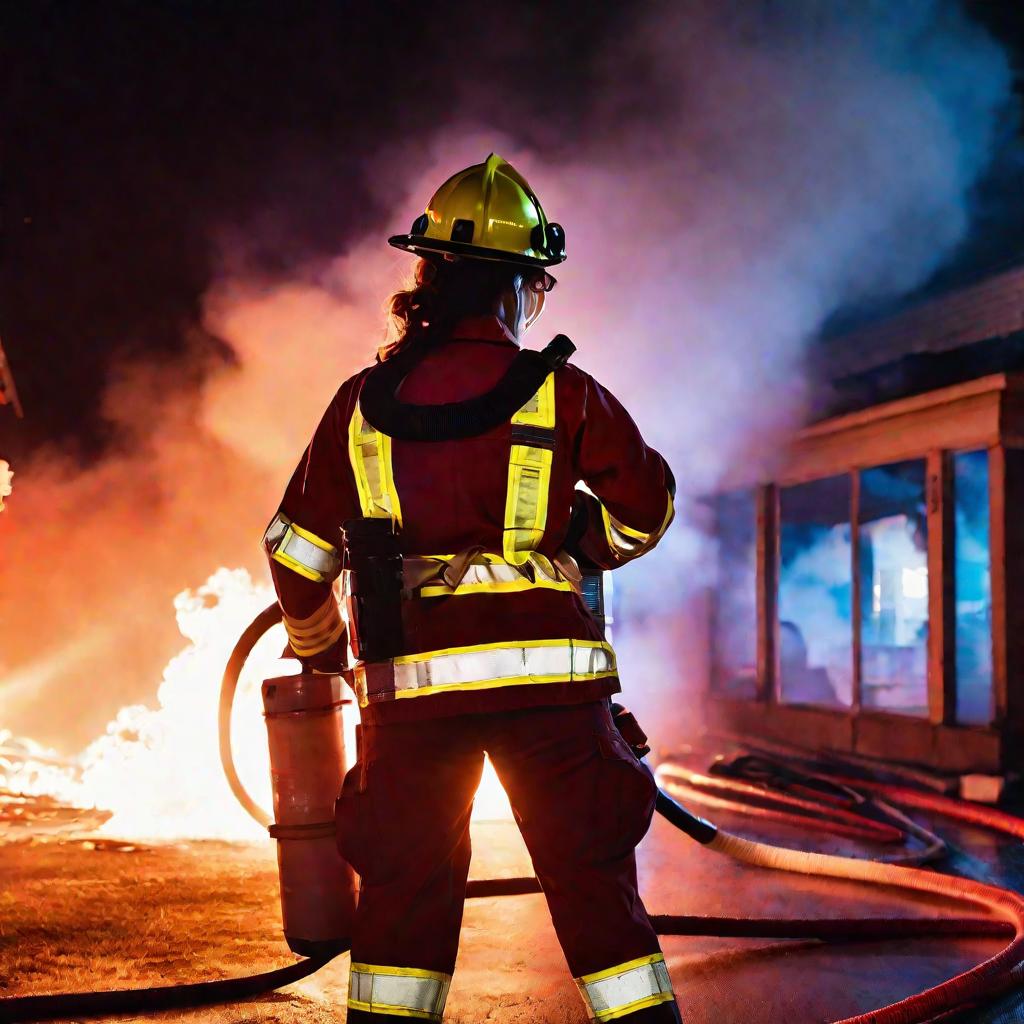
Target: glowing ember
x=157, y=770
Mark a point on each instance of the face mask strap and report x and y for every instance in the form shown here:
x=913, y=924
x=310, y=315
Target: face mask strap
x=537, y=299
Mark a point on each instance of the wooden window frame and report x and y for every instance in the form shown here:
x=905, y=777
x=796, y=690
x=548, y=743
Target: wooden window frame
x=986, y=414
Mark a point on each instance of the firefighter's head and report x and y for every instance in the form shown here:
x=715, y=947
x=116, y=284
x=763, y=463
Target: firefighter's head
x=445, y=291
x=485, y=245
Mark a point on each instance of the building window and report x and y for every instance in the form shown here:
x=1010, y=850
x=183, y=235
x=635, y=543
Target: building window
x=815, y=624
x=894, y=588
x=734, y=634
x=975, y=700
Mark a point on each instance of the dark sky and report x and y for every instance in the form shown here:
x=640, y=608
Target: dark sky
x=137, y=134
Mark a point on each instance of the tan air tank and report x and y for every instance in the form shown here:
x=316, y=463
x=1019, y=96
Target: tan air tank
x=307, y=766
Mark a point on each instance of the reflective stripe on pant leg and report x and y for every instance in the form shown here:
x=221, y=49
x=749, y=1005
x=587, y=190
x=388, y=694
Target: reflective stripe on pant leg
x=626, y=988
x=399, y=991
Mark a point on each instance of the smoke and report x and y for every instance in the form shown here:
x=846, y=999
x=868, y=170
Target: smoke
x=739, y=173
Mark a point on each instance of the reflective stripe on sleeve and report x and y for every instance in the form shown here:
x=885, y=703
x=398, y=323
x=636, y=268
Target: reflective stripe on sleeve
x=529, y=474
x=301, y=550
x=487, y=666
x=400, y=991
x=626, y=988
x=317, y=633
x=369, y=453
x=626, y=543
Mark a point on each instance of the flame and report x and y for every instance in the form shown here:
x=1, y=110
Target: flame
x=157, y=769
x=6, y=482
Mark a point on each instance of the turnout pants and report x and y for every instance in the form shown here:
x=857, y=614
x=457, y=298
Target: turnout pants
x=582, y=801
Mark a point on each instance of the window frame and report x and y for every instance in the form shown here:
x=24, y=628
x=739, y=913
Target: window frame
x=940, y=501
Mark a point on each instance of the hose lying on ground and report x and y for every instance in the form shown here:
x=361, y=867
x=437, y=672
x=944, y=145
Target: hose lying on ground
x=1006, y=910
x=1002, y=971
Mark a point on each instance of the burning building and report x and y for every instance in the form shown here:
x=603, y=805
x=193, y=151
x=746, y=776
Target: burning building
x=869, y=596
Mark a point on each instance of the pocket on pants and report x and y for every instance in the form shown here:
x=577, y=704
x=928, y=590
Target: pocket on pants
x=627, y=797
x=355, y=820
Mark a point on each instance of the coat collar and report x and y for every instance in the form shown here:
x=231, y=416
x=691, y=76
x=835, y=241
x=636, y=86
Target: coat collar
x=484, y=328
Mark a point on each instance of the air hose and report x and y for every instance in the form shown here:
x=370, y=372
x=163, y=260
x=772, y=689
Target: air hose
x=1005, y=910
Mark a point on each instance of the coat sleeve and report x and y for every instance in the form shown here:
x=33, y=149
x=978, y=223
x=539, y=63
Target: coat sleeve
x=304, y=540
x=632, y=488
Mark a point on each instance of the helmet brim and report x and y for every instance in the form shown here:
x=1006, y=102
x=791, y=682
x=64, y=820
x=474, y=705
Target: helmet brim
x=422, y=244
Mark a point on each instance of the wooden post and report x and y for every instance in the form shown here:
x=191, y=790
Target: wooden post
x=767, y=592
x=997, y=552
x=856, y=610
x=941, y=590
x=1006, y=493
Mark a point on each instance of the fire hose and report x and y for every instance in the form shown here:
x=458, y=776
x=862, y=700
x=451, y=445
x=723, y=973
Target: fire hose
x=1004, y=909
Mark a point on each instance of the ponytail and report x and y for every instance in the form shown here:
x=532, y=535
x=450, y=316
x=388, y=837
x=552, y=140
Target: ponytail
x=442, y=293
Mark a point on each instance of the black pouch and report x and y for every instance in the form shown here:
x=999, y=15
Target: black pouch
x=374, y=588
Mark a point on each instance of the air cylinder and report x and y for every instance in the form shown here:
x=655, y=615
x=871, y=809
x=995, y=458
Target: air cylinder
x=307, y=765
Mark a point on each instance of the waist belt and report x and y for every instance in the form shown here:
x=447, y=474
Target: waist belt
x=483, y=667
x=475, y=571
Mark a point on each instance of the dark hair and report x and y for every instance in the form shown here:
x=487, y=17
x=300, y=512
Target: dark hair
x=444, y=292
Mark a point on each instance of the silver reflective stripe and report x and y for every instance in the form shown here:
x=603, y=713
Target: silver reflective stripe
x=626, y=543
x=309, y=554
x=621, y=543
x=626, y=988
x=496, y=665
x=405, y=991
x=300, y=550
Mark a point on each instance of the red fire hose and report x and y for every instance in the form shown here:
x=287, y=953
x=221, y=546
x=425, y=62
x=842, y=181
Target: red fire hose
x=1005, y=910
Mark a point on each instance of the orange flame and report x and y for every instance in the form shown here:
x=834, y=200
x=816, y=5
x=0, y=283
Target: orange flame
x=157, y=770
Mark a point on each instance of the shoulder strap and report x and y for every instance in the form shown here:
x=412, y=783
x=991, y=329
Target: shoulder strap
x=453, y=420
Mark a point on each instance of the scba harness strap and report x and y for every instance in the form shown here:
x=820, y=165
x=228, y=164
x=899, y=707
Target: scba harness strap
x=525, y=397
x=450, y=421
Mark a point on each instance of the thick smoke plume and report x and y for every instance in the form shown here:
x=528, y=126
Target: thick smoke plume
x=744, y=171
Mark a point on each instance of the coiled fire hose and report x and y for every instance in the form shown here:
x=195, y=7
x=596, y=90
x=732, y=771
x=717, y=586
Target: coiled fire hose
x=1005, y=909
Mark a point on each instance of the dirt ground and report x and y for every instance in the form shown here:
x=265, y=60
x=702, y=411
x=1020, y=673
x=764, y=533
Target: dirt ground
x=93, y=914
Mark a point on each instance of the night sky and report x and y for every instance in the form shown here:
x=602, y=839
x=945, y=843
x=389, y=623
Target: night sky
x=138, y=137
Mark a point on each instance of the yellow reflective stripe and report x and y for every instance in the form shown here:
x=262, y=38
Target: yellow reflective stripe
x=393, y=1011
x=494, y=587
x=317, y=633
x=313, y=539
x=637, y=1004
x=409, y=659
x=400, y=972
x=629, y=965
x=626, y=543
x=398, y=991
x=539, y=410
x=301, y=550
x=311, y=624
x=494, y=684
x=529, y=479
x=291, y=563
x=626, y=988
x=369, y=453
x=490, y=666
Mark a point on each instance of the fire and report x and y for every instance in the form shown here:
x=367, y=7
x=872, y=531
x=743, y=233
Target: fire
x=6, y=482
x=157, y=769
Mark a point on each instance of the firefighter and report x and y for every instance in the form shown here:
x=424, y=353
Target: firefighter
x=461, y=453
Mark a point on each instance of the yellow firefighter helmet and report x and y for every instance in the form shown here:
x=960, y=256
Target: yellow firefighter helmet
x=489, y=212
